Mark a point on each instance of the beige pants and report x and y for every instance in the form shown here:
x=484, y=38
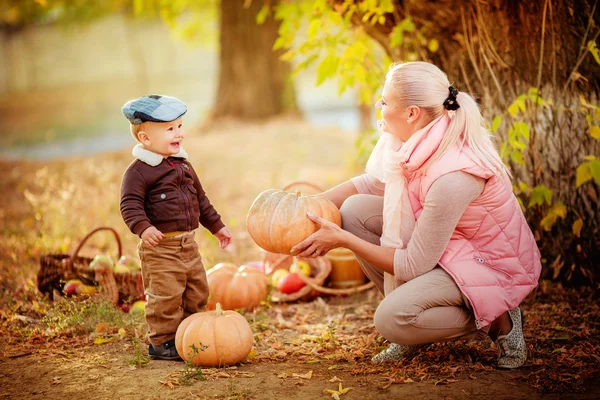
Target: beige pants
x=427, y=309
x=175, y=284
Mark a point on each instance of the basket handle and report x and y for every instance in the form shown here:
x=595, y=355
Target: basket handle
x=304, y=183
x=326, y=290
x=102, y=228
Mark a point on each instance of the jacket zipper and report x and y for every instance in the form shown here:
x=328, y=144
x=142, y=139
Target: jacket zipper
x=186, y=200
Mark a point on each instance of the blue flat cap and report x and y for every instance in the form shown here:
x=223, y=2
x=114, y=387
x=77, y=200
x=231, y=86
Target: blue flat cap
x=154, y=108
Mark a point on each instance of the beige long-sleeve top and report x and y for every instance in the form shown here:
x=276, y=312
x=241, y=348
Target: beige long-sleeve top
x=445, y=202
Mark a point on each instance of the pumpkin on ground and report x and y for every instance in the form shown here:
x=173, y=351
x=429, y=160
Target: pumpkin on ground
x=214, y=338
x=234, y=287
x=277, y=219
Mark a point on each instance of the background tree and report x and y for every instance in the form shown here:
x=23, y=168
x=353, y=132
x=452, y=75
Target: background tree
x=253, y=82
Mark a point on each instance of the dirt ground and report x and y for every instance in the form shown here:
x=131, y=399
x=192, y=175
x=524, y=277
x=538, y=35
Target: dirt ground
x=103, y=372
x=298, y=355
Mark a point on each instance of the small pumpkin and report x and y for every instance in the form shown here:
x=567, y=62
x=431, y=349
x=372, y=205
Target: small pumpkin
x=214, y=338
x=233, y=287
x=277, y=219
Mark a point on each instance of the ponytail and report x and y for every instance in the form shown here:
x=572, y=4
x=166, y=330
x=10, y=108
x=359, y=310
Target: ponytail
x=466, y=127
x=426, y=86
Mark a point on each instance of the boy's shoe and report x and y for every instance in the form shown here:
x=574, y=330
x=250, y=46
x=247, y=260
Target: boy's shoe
x=165, y=351
x=396, y=352
x=513, y=350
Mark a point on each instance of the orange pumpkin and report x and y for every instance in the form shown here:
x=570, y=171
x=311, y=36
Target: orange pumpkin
x=214, y=338
x=233, y=287
x=277, y=219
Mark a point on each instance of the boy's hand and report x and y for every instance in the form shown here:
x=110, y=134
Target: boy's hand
x=151, y=236
x=224, y=237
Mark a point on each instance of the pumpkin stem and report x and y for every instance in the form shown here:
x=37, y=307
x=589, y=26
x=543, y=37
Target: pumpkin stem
x=298, y=194
x=218, y=309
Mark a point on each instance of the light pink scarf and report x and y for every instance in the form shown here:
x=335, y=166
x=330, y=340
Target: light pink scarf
x=392, y=162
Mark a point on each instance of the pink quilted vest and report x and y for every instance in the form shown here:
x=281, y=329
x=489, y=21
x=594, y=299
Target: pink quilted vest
x=492, y=255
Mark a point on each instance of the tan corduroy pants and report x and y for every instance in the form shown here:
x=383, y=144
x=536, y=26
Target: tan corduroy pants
x=427, y=309
x=174, y=283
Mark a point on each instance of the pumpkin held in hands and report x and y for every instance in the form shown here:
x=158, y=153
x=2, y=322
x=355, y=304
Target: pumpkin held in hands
x=277, y=219
x=214, y=338
x=234, y=287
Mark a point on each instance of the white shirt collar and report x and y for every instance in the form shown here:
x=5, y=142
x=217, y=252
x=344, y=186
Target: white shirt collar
x=151, y=158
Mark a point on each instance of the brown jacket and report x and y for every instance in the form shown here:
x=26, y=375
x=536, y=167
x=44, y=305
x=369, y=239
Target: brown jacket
x=166, y=194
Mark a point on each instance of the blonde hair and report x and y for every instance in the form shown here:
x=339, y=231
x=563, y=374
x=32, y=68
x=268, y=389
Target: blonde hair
x=136, y=129
x=424, y=85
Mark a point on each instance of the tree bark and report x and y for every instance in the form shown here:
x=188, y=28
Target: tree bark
x=253, y=82
x=513, y=44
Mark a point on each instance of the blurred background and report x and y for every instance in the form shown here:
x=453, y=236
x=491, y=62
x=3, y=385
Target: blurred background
x=63, y=78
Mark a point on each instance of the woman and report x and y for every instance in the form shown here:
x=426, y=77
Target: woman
x=434, y=223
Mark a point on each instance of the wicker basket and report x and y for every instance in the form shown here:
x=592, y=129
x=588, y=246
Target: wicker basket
x=117, y=288
x=320, y=270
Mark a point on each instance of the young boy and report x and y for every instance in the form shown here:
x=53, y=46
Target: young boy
x=162, y=201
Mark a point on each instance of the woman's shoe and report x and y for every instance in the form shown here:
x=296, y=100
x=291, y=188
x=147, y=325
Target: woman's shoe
x=513, y=350
x=396, y=352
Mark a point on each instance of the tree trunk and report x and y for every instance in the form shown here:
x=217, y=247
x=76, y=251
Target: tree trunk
x=253, y=82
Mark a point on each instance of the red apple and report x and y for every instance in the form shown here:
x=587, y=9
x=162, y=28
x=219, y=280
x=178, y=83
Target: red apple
x=75, y=287
x=125, y=307
x=290, y=283
x=70, y=288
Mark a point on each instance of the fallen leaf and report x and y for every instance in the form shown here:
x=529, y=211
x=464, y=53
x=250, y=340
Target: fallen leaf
x=335, y=379
x=337, y=393
x=308, y=375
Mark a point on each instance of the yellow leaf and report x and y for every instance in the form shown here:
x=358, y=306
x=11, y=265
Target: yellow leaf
x=577, y=227
x=433, y=45
x=101, y=340
x=251, y=355
x=313, y=28
x=584, y=174
x=595, y=132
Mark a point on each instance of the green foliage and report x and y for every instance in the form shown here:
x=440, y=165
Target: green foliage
x=337, y=42
x=83, y=317
x=140, y=358
x=517, y=149
x=329, y=42
x=191, y=20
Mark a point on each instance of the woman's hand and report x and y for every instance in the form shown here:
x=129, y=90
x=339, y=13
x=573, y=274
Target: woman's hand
x=329, y=236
